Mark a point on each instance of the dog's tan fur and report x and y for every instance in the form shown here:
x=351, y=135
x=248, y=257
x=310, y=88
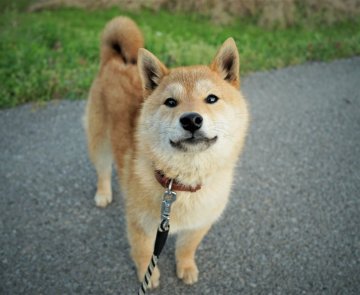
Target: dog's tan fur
x=126, y=121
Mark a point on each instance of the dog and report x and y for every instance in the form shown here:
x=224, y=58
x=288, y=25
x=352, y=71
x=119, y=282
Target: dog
x=186, y=124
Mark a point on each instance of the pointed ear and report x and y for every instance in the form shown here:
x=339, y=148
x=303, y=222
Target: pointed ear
x=151, y=70
x=226, y=63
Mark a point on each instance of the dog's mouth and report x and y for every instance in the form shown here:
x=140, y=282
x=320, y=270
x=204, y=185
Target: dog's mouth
x=198, y=143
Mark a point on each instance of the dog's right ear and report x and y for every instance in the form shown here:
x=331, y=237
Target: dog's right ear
x=151, y=70
x=226, y=63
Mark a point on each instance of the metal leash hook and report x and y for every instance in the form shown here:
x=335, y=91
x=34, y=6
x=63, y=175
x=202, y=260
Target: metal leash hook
x=169, y=197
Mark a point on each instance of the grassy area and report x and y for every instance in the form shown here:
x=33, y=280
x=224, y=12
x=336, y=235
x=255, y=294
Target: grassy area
x=54, y=54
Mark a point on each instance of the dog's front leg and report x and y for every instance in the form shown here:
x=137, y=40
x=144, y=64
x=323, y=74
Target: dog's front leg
x=186, y=245
x=142, y=246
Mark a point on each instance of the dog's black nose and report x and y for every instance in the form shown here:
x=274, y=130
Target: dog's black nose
x=191, y=121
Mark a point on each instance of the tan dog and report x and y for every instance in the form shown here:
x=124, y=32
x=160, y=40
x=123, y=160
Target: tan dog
x=186, y=124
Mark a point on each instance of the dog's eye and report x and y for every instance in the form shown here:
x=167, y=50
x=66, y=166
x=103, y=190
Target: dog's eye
x=211, y=99
x=171, y=103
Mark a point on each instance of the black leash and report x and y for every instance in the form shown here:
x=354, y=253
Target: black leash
x=162, y=233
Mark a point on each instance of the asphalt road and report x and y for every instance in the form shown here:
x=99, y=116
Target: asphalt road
x=292, y=226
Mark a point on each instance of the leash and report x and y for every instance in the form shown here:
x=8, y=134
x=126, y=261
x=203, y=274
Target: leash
x=162, y=233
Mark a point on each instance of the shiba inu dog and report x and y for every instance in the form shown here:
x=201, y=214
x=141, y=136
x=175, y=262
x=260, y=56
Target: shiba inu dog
x=187, y=124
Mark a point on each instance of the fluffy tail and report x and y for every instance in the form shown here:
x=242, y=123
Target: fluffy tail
x=121, y=39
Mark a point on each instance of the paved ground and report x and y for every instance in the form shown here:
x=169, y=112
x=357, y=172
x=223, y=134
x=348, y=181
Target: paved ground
x=292, y=227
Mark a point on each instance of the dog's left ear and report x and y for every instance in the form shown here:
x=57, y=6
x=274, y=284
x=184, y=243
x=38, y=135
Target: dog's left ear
x=151, y=70
x=226, y=63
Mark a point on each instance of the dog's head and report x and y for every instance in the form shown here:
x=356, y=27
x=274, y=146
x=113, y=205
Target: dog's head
x=196, y=110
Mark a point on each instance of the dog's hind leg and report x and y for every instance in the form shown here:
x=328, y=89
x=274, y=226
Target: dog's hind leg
x=103, y=162
x=99, y=151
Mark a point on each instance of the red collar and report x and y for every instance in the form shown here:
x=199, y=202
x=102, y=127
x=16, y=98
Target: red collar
x=176, y=186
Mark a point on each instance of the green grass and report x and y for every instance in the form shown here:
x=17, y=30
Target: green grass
x=54, y=54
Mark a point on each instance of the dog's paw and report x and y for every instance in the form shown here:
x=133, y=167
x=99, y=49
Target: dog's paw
x=154, y=280
x=188, y=272
x=103, y=200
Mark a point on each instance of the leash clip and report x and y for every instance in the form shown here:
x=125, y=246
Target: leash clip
x=169, y=197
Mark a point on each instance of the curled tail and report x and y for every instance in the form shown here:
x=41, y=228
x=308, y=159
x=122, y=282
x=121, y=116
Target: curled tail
x=121, y=39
